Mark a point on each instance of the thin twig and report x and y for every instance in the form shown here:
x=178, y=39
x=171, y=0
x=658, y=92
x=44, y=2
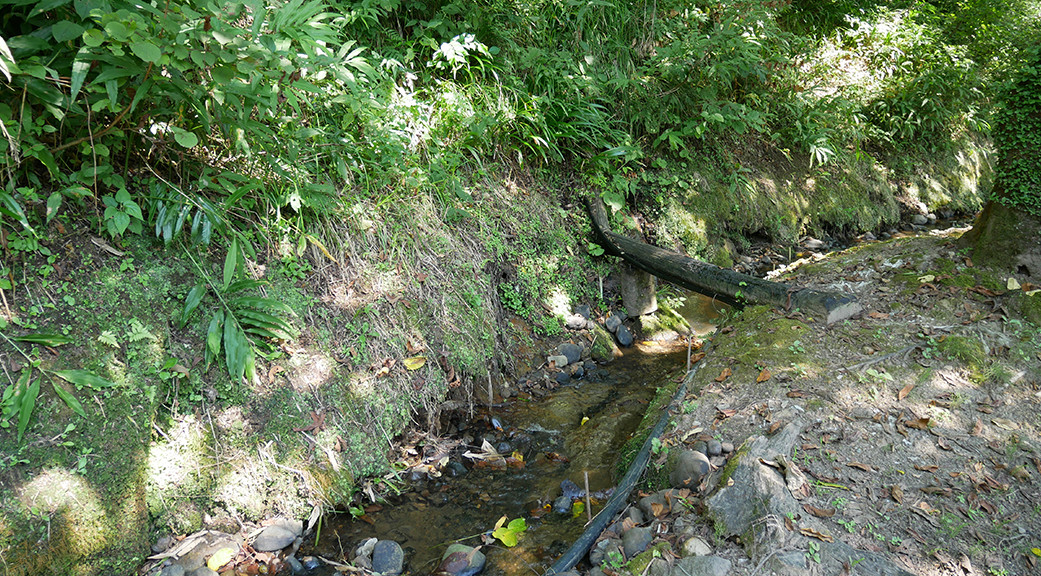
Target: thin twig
x=901, y=352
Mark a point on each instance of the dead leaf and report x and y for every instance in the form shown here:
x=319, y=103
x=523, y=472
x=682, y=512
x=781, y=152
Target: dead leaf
x=726, y=373
x=904, y=392
x=1020, y=473
x=819, y=512
x=725, y=412
x=774, y=427
x=897, y=493
x=415, y=362
x=764, y=375
x=1012, y=284
x=918, y=423
x=796, y=394
x=861, y=466
x=657, y=509
x=697, y=357
x=977, y=428
x=930, y=468
x=1005, y=423
x=815, y=534
x=943, y=443
x=879, y=315
x=937, y=490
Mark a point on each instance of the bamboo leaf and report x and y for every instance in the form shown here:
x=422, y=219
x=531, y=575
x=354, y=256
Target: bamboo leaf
x=83, y=378
x=260, y=303
x=236, y=350
x=28, y=403
x=231, y=262
x=45, y=338
x=213, y=335
x=69, y=399
x=192, y=302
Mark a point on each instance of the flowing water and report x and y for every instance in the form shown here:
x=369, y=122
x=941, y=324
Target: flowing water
x=574, y=433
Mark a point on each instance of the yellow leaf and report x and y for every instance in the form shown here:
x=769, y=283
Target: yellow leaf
x=415, y=362
x=577, y=508
x=1012, y=284
x=1036, y=551
x=220, y=558
x=926, y=278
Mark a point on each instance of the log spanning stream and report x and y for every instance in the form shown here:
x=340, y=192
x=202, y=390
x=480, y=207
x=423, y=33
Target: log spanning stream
x=576, y=430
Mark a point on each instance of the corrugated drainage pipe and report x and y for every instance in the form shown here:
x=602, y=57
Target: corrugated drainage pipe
x=618, y=499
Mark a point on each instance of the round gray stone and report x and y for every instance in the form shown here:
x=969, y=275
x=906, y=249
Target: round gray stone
x=636, y=540
x=690, y=468
x=702, y=566
x=461, y=560
x=204, y=571
x=715, y=447
x=173, y=570
x=613, y=322
x=696, y=546
x=274, y=537
x=573, y=352
x=388, y=558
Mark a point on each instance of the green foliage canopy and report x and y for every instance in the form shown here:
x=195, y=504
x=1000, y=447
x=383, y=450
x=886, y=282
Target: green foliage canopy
x=1018, y=138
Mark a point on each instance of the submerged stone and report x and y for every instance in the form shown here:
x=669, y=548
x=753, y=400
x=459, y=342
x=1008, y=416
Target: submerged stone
x=461, y=560
x=388, y=558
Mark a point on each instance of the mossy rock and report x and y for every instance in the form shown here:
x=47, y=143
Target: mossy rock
x=603, y=348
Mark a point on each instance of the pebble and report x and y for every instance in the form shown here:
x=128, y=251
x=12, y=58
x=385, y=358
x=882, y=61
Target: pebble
x=173, y=570
x=310, y=562
x=562, y=505
x=454, y=562
x=456, y=469
x=612, y=323
x=295, y=564
x=696, y=547
x=204, y=571
x=583, y=310
x=636, y=540
x=573, y=352
x=576, y=322
x=558, y=359
x=715, y=447
x=388, y=558
x=919, y=219
x=562, y=378
x=625, y=338
x=702, y=447
x=162, y=544
x=727, y=447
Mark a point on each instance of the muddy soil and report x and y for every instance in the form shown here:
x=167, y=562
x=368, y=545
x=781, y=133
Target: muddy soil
x=920, y=416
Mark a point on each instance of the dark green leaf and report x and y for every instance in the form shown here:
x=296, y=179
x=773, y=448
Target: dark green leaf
x=83, y=378
x=213, y=335
x=260, y=303
x=53, y=205
x=148, y=52
x=236, y=350
x=69, y=399
x=231, y=262
x=64, y=31
x=192, y=302
x=243, y=284
x=28, y=403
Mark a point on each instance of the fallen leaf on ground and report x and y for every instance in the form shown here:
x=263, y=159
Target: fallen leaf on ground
x=726, y=373
x=861, y=466
x=1005, y=423
x=774, y=427
x=415, y=362
x=898, y=494
x=763, y=376
x=815, y=534
x=796, y=394
x=930, y=468
x=918, y=423
x=819, y=512
x=904, y=392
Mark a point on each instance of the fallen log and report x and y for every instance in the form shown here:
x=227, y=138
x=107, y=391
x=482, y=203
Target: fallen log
x=729, y=286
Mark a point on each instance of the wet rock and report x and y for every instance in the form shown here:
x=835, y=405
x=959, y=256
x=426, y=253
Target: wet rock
x=503, y=448
x=636, y=515
x=204, y=571
x=696, y=547
x=388, y=558
x=456, y=469
x=562, y=505
x=691, y=467
x=162, y=544
x=461, y=560
x=173, y=570
x=295, y=564
x=559, y=359
x=562, y=378
x=583, y=310
x=599, y=552
x=278, y=535
x=715, y=448
x=701, y=446
x=702, y=566
x=613, y=322
x=625, y=338
x=578, y=371
x=811, y=243
x=869, y=237
x=573, y=352
x=919, y=220
x=636, y=540
x=363, y=554
x=310, y=562
x=658, y=567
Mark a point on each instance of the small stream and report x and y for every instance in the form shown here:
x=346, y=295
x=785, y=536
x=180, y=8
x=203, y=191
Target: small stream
x=575, y=431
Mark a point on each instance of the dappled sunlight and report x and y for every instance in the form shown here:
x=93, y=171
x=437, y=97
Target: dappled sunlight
x=176, y=463
x=71, y=510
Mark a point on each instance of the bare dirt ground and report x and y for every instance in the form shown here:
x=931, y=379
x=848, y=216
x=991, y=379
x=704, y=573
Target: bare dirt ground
x=920, y=417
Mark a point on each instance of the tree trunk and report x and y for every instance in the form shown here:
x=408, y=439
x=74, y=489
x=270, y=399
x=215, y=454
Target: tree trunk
x=1006, y=239
x=731, y=287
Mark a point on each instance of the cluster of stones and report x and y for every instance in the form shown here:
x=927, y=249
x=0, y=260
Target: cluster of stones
x=206, y=552
x=387, y=558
